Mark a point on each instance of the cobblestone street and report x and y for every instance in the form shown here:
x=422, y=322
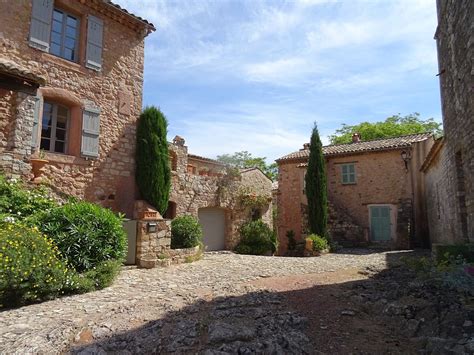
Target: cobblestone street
x=145, y=301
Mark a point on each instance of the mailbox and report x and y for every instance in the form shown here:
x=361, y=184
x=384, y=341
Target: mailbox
x=151, y=227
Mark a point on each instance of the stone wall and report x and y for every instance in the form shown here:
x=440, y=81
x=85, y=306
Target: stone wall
x=191, y=192
x=116, y=90
x=452, y=177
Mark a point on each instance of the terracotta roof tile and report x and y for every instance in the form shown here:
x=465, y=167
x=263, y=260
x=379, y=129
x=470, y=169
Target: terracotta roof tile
x=198, y=157
x=149, y=25
x=363, y=146
x=13, y=69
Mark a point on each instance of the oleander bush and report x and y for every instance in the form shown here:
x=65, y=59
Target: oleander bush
x=186, y=232
x=86, y=234
x=31, y=266
x=256, y=238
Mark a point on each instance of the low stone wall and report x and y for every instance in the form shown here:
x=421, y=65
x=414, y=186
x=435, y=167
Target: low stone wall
x=154, y=245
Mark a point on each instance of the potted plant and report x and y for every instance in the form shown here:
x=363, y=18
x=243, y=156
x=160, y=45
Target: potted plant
x=37, y=165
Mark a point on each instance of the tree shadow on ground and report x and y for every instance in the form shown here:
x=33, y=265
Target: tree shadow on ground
x=378, y=312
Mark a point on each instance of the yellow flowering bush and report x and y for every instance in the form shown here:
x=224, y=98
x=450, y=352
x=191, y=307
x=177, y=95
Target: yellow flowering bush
x=31, y=267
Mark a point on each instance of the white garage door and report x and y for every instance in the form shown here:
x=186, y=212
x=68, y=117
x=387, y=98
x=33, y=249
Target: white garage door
x=212, y=221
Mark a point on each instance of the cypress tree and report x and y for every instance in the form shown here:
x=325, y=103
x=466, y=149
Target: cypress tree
x=316, y=190
x=153, y=172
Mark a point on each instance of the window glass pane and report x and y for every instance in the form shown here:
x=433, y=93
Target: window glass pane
x=71, y=21
x=59, y=147
x=71, y=31
x=57, y=15
x=344, y=169
x=46, y=131
x=62, y=112
x=44, y=144
x=352, y=178
x=351, y=168
x=55, y=38
x=46, y=121
x=57, y=26
x=61, y=134
x=344, y=179
x=47, y=108
x=55, y=49
x=70, y=43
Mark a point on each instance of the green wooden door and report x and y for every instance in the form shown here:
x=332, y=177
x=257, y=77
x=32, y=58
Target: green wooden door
x=380, y=225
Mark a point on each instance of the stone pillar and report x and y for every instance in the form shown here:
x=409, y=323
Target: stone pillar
x=19, y=140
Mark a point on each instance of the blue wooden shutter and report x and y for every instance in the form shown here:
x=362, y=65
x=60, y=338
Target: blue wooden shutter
x=40, y=29
x=90, y=132
x=95, y=28
x=34, y=132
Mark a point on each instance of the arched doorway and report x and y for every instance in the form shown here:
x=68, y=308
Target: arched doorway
x=212, y=220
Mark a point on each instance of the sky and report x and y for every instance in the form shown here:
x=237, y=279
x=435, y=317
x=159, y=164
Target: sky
x=233, y=75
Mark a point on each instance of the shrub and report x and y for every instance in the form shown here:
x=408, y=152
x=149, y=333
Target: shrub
x=19, y=202
x=186, y=232
x=86, y=234
x=98, y=277
x=31, y=267
x=319, y=243
x=291, y=240
x=256, y=239
x=153, y=173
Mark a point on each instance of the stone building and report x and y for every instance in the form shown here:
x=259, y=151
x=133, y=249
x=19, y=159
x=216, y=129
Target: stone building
x=71, y=78
x=449, y=168
x=375, y=191
x=221, y=198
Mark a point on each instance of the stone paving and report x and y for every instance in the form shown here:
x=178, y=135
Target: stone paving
x=139, y=298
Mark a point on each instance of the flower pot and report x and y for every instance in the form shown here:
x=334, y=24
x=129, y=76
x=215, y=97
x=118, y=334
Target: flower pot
x=37, y=166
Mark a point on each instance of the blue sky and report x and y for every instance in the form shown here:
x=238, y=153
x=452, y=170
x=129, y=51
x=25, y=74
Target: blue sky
x=234, y=75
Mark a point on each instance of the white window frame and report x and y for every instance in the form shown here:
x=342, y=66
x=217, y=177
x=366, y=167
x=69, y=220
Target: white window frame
x=63, y=35
x=351, y=176
x=54, y=121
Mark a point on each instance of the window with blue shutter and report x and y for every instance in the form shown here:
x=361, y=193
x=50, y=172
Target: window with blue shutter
x=40, y=28
x=348, y=173
x=90, y=132
x=95, y=28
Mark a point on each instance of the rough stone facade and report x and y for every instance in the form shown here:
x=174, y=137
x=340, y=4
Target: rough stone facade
x=381, y=179
x=199, y=183
x=450, y=169
x=116, y=90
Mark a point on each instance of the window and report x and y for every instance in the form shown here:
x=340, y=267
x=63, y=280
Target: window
x=54, y=127
x=64, y=35
x=348, y=174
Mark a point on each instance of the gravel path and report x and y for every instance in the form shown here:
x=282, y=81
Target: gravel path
x=144, y=301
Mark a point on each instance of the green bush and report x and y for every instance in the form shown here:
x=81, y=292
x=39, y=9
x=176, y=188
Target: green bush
x=256, y=238
x=98, y=277
x=186, y=232
x=319, y=243
x=85, y=233
x=19, y=202
x=31, y=267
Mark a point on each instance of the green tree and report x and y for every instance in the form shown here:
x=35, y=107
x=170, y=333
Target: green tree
x=245, y=159
x=392, y=127
x=153, y=172
x=316, y=183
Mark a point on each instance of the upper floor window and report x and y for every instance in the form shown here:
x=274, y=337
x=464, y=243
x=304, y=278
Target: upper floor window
x=348, y=173
x=64, y=35
x=54, y=127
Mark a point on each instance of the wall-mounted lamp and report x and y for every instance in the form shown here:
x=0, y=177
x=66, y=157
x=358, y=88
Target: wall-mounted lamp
x=151, y=227
x=406, y=156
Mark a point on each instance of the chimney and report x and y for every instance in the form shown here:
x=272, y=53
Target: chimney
x=356, y=138
x=306, y=146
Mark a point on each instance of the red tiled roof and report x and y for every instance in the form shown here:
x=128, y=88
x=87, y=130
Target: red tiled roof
x=363, y=146
x=198, y=157
x=150, y=27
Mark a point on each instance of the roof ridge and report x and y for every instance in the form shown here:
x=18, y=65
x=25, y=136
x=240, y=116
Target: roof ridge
x=382, y=139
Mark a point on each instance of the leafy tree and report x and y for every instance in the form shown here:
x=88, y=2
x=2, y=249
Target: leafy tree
x=245, y=159
x=316, y=183
x=392, y=127
x=153, y=171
